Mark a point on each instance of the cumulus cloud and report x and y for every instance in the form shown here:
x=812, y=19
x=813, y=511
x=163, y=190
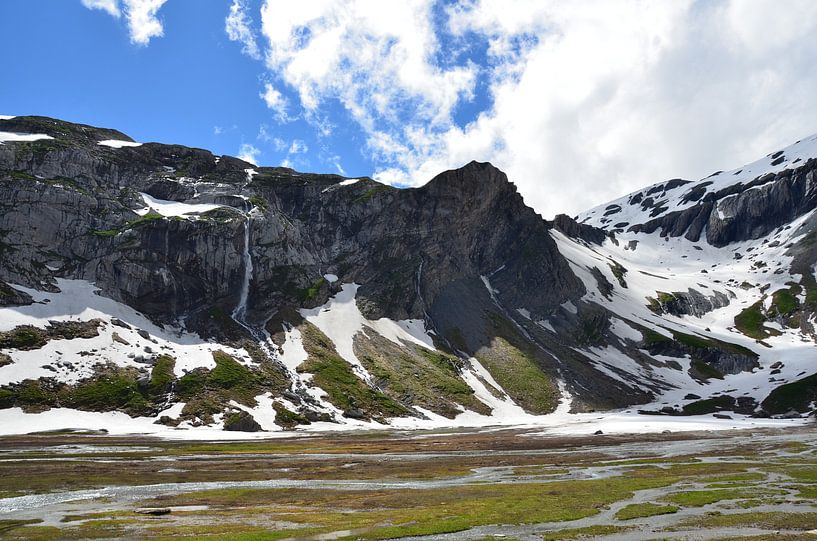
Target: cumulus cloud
x=371, y=56
x=275, y=101
x=141, y=16
x=582, y=101
x=111, y=6
x=142, y=20
x=238, y=26
x=249, y=153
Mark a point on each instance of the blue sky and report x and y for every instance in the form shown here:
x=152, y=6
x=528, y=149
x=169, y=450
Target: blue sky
x=579, y=102
x=80, y=65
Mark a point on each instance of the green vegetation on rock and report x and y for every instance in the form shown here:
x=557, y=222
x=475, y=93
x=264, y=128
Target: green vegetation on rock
x=344, y=389
x=795, y=396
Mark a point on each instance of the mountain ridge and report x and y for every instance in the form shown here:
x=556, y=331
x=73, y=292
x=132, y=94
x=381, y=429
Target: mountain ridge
x=299, y=298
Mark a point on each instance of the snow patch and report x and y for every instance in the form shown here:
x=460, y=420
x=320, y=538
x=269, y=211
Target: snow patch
x=7, y=136
x=173, y=208
x=118, y=143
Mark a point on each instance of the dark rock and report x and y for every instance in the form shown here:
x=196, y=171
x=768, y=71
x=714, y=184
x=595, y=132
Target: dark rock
x=354, y=413
x=154, y=511
x=120, y=323
x=241, y=421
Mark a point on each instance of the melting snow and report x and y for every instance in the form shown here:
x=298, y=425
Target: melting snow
x=173, y=208
x=79, y=301
x=6, y=136
x=117, y=143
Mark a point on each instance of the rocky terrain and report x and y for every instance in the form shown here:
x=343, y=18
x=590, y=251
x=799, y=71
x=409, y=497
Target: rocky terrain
x=194, y=290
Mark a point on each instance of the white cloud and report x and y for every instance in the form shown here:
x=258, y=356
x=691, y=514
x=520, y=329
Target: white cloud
x=142, y=20
x=297, y=147
x=249, y=153
x=238, y=27
x=275, y=101
x=372, y=56
x=143, y=23
x=218, y=130
x=111, y=6
x=586, y=100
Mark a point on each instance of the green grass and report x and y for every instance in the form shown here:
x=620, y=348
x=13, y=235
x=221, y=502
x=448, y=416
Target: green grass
x=750, y=321
x=108, y=392
x=699, y=498
x=23, y=337
x=588, y=532
x=783, y=303
x=288, y=418
x=519, y=375
x=797, y=395
x=709, y=405
x=415, y=376
x=258, y=201
x=162, y=376
x=771, y=521
x=312, y=291
x=228, y=372
x=652, y=338
x=640, y=510
x=335, y=376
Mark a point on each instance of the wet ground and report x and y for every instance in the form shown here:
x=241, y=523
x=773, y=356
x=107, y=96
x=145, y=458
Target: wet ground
x=500, y=484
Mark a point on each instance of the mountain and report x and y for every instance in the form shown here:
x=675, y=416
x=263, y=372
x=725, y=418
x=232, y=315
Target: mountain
x=189, y=290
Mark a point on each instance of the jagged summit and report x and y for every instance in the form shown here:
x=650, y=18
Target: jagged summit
x=217, y=293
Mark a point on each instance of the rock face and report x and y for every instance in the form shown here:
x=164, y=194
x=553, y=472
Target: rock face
x=239, y=254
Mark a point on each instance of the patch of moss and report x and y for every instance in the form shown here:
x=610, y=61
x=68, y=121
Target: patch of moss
x=416, y=376
x=698, y=498
x=345, y=390
x=105, y=232
x=783, y=303
x=587, y=532
x=640, y=510
x=750, y=321
x=228, y=372
x=651, y=338
x=23, y=337
x=795, y=396
x=150, y=217
x=258, y=201
x=371, y=192
x=704, y=371
x=520, y=376
x=287, y=418
x=312, y=291
x=161, y=375
x=709, y=405
x=117, y=390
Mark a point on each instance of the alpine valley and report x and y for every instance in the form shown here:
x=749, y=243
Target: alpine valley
x=159, y=288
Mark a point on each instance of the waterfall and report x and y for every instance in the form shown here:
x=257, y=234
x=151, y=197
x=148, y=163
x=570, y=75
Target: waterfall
x=240, y=312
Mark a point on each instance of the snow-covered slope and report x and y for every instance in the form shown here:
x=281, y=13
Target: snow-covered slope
x=675, y=195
